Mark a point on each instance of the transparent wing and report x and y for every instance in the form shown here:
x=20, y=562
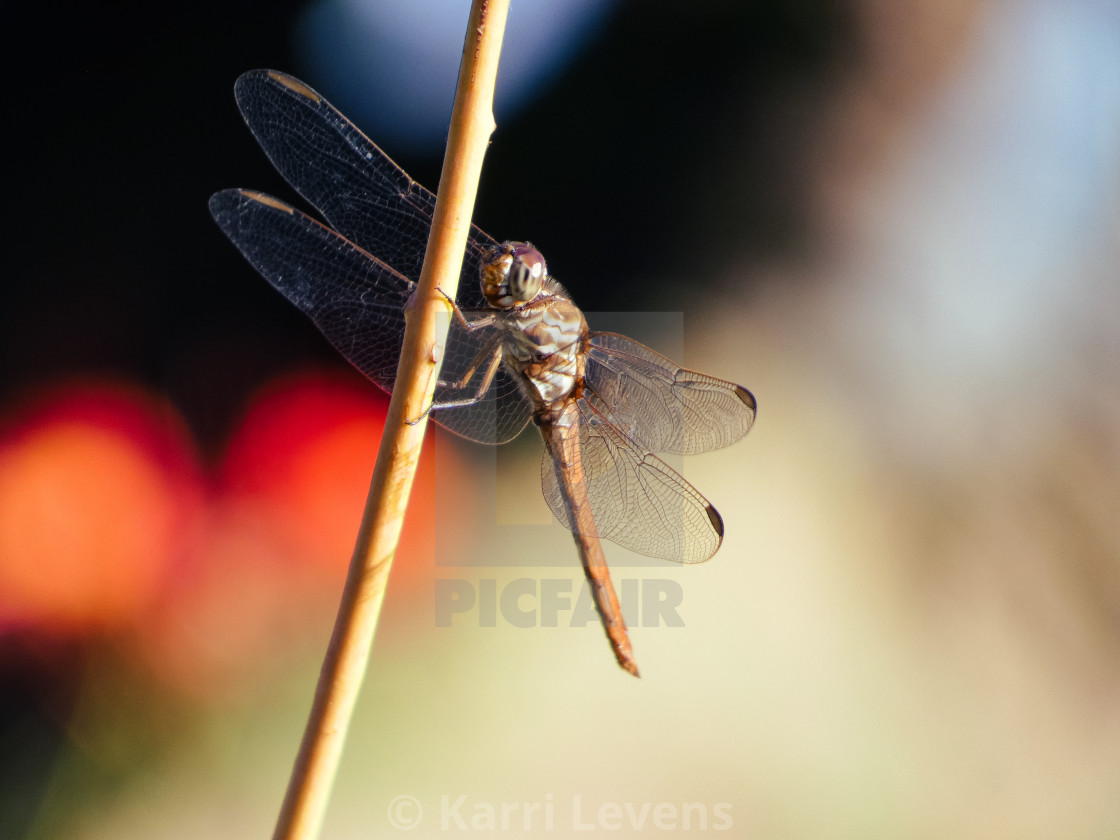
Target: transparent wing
x=371, y=202
x=660, y=406
x=637, y=500
x=361, y=193
x=357, y=301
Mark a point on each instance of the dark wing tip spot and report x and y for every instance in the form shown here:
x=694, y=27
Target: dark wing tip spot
x=716, y=520
x=747, y=398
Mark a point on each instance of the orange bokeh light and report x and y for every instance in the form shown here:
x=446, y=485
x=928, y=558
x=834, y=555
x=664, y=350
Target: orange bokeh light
x=107, y=524
x=97, y=489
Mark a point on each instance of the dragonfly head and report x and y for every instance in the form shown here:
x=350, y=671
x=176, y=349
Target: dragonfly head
x=512, y=273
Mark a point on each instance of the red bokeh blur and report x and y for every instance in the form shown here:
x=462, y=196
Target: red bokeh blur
x=108, y=524
x=303, y=457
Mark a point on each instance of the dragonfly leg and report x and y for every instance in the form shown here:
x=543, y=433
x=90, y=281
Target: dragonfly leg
x=487, y=380
x=483, y=385
x=485, y=319
x=488, y=351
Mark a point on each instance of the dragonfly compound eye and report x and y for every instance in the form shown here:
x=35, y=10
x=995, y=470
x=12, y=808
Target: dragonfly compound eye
x=527, y=272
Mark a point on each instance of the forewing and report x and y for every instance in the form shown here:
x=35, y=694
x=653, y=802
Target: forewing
x=660, y=405
x=358, y=302
x=637, y=500
x=360, y=192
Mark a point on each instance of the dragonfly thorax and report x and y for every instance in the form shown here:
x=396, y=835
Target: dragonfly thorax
x=543, y=330
x=544, y=347
x=512, y=274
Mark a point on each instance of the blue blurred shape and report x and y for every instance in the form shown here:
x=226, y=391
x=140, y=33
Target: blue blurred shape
x=391, y=65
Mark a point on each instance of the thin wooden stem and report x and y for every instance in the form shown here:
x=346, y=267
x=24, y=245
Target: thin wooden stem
x=428, y=318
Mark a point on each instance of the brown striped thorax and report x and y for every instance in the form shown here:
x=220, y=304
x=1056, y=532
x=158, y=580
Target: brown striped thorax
x=544, y=330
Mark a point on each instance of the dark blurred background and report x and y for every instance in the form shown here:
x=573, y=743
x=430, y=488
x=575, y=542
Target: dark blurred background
x=625, y=163
x=897, y=223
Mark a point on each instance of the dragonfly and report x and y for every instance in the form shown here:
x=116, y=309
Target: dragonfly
x=518, y=350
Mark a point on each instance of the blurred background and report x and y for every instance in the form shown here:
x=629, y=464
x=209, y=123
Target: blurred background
x=897, y=223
